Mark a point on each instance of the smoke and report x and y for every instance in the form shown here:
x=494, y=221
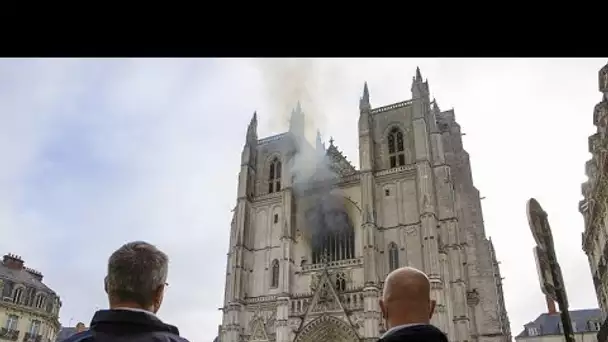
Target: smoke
x=287, y=83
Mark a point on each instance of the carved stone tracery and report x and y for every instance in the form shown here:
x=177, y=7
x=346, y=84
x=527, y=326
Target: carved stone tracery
x=327, y=328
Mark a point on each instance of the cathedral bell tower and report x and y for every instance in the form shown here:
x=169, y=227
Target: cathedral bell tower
x=239, y=237
x=369, y=229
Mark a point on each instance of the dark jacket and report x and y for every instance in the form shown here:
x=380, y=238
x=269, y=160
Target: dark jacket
x=127, y=325
x=416, y=333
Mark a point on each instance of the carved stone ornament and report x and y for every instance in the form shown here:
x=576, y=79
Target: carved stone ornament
x=472, y=297
x=603, y=79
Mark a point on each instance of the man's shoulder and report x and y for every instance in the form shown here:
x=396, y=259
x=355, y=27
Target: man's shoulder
x=168, y=336
x=89, y=336
x=83, y=336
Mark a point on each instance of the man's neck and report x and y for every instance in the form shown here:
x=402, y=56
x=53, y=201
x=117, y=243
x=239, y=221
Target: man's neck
x=129, y=306
x=406, y=321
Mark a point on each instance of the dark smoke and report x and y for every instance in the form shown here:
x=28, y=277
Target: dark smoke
x=326, y=224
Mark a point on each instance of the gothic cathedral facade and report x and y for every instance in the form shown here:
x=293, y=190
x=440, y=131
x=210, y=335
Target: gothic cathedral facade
x=412, y=202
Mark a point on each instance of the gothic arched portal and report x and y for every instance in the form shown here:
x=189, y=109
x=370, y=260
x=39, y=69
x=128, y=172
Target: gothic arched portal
x=327, y=329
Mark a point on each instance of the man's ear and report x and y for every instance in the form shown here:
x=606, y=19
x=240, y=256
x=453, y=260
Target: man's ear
x=382, y=308
x=159, y=294
x=105, y=284
x=432, y=308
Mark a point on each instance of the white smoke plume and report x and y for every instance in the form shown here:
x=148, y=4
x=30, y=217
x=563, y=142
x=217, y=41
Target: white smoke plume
x=292, y=81
x=288, y=81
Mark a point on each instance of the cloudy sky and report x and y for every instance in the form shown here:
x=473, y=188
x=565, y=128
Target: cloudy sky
x=94, y=153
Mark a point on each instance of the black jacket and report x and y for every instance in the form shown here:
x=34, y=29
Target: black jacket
x=127, y=325
x=415, y=333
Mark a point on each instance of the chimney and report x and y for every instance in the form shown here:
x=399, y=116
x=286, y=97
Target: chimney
x=14, y=262
x=550, y=306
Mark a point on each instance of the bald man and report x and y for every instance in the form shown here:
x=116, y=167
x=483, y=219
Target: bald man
x=407, y=307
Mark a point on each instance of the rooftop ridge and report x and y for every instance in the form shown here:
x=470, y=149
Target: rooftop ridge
x=391, y=106
x=272, y=138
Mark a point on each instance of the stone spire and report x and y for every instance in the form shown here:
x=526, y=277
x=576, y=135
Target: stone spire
x=297, y=121
x=252, y=129
x=364, y=104
x=420, y=88
x=418, y=77
x=320, y=145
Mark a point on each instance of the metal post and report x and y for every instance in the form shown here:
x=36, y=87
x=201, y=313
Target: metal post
x=556, y=273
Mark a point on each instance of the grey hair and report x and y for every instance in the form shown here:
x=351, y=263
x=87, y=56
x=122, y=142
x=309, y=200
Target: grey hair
x=135, y=272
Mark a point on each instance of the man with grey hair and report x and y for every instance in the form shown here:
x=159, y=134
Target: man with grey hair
x=135, y=284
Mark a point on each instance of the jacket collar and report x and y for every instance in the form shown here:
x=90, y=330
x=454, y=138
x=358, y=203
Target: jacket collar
x=144, y=319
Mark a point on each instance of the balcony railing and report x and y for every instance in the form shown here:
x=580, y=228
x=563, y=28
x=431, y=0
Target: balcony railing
x=29, y=337
x=9, y=334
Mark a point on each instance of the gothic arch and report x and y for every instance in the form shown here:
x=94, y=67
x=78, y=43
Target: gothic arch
x=273, y=172
x=333, y=233
x=19, y=293
x=327, y=328
x=393, y=256
x=395, y=150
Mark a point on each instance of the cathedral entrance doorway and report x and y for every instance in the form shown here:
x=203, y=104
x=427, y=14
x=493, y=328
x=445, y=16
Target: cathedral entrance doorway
x=327, y=329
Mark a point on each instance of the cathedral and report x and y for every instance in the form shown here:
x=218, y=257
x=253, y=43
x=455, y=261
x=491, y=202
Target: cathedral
x=313, y=237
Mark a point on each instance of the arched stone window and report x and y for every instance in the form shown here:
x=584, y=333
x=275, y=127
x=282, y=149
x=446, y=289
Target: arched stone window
x=17, y=295
x=274, y=279
x=396, y=149
x=274, y=176
x=333, y=235
x=393, y=257
x=340, y=282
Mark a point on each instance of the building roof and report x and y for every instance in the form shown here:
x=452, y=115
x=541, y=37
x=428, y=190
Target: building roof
x=550, y=324
x=64, y=333
x=22, y=276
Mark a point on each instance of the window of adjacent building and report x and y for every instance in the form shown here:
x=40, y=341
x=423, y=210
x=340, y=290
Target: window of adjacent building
x=393, y=257
x=274, y=176
x=396, y=150
x=12, y=322
x=17, y=295
x=595, y=326
x=533, y=331
x=35, y=327
x=40, y=299
x=274, y=281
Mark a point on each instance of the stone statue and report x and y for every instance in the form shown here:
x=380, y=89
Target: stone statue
x=604, y=80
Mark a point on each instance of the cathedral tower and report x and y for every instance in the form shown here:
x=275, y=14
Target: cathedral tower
x=313, y=238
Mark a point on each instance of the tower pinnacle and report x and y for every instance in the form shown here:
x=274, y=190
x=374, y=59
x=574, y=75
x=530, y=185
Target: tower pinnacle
x=418, y=75
x=320, y=146
x=364, y=102
x=252, y=129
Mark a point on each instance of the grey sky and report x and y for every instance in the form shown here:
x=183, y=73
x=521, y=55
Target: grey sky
x=95, y=153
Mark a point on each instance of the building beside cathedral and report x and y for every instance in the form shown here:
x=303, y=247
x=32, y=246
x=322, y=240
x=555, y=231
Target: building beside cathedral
x=29, y=310
x=312, y=237
x=595, y=202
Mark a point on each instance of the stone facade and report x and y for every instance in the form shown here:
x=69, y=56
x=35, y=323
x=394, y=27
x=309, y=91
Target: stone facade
x=595, y=192
x=411, y=202
x=29, y=310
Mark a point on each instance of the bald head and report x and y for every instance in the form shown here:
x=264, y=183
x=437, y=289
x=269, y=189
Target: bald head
x=406, y=297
